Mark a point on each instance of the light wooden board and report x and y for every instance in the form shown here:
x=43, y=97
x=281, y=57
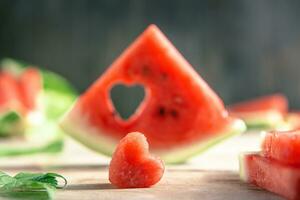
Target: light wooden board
x=91, y=182
x=211, y=176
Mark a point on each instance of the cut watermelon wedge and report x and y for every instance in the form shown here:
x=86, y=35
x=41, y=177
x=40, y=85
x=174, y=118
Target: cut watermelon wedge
x=282, y=146
x=271, y=175
x=266, y=112
x=180, y=115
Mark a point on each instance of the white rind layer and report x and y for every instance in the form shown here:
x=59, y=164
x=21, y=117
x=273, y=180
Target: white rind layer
x=243, y=169
x=76, y=124
x=271, y=119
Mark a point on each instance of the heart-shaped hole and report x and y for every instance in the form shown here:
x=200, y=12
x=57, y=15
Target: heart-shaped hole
x=126, y=99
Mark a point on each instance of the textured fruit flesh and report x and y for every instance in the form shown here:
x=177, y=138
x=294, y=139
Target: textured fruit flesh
x=132, y=166
x=30, y=84
x=179, y=107
x=276, y=102
x=271, y=175
x=20, y=92
x=283, y=146
x=9, y=93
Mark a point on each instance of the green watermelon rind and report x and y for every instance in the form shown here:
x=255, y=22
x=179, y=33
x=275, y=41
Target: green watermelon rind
x=11, y=122
x=181, y=155
x=265, y=121
x=76, y=125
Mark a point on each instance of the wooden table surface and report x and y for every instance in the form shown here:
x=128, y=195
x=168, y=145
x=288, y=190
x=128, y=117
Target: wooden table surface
x=213, y=175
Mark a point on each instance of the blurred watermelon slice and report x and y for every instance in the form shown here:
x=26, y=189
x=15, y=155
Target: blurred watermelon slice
x=266, y=112
x=180, y=115
x=19, y=96
x=40, y=98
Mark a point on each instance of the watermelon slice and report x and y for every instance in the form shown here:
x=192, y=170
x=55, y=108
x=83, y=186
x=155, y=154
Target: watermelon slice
x=31, y=107
x=17, y=99
x=282, y=146
x=266, y=112
x=30, y=84
x=271, y=175
x=180, y=114
x=132, y=166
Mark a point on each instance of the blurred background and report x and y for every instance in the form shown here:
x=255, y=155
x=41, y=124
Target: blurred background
x=242, y=48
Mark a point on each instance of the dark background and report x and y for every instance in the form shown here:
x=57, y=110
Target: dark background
x=242, y=48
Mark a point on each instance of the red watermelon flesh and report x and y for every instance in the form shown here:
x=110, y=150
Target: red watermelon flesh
x=277, y=102
x=283, y=146
x=9, y=93
x=271, y=175
x=30, y=84
x=179, y=107
x=132, y=166
x=20, y=92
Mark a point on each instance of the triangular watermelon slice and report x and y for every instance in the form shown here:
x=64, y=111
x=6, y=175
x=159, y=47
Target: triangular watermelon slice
x=265, y=112
x=180, y=114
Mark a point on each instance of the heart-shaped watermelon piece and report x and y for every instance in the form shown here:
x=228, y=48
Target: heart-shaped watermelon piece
x=132, y=166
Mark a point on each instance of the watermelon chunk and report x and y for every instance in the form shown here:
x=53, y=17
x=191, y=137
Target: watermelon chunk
x=271, y=175
x=180, y=114
x=266, y=112
x=282, y=146
x=132, y=166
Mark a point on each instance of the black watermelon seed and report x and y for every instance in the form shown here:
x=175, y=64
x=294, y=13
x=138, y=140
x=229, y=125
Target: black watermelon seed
x=164, y=75
x=161, y=111
x=174, y=113
x=145, y=70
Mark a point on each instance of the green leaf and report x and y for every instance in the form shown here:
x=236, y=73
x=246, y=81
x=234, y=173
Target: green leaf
x=30, y=184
